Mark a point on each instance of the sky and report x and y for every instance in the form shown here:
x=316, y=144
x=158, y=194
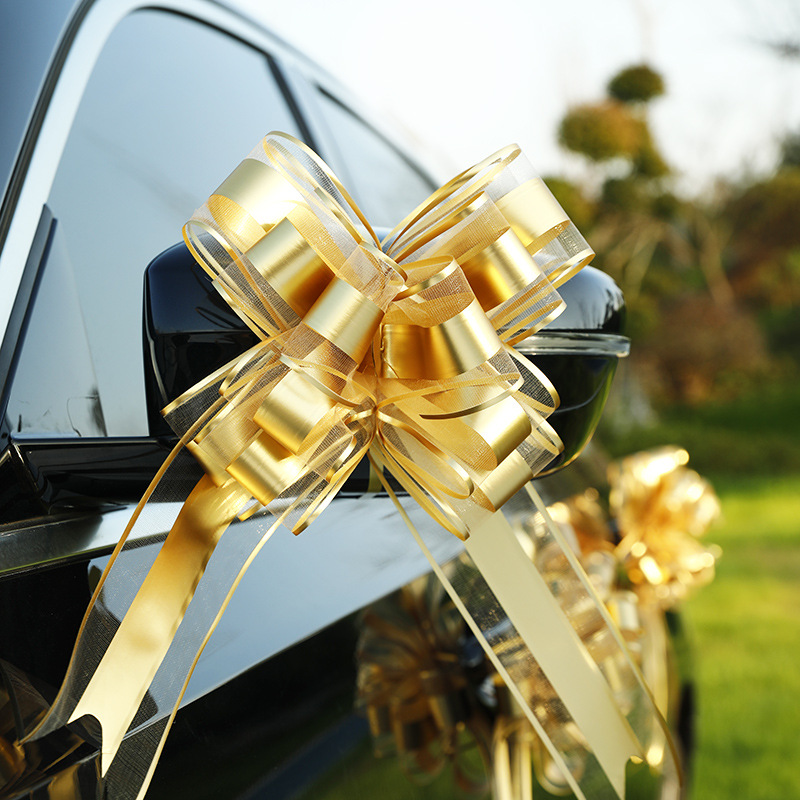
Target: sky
x=468, y=77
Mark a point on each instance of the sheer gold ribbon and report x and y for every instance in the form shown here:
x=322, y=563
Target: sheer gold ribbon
x=403, y=354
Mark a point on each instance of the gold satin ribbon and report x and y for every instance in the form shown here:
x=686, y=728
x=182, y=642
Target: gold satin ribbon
x=397, y=352
x=566, y=662
x=146, y=632
x=656, y=501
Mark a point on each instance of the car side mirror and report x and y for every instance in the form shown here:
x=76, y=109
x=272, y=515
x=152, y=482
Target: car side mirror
x=579, y=352
x=190, y=331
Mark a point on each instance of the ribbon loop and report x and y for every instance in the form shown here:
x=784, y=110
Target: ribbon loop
x=291, y=411
x=288, y=263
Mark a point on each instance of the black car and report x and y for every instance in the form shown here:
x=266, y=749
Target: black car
x=118, y=117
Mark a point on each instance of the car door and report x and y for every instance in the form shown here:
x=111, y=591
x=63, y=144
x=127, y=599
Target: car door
x=149, y=114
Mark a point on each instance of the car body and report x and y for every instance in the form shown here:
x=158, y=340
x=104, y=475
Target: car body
x=123, y=115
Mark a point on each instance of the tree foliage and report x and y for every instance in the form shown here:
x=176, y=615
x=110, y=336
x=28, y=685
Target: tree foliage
x=601, y=131
x=765, y=213
x=765, y=246
x=637, y=84
x=647, y=160
x=790, y=150
x=684, y=265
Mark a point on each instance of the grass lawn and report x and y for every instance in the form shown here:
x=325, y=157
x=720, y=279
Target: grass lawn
x=758, y=434
x=746, y=628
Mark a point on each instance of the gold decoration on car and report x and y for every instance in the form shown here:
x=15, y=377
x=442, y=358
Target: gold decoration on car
x=367, y=349
x=413, y=687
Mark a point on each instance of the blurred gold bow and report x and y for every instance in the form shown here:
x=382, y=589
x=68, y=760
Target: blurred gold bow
x=661, y=508
x=415, y=688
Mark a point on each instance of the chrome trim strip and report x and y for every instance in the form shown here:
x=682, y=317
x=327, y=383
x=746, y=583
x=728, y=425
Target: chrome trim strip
x=47, y=541
x=576, y=343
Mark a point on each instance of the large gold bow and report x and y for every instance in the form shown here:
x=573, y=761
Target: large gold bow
x=401, y=351
x=405, y=353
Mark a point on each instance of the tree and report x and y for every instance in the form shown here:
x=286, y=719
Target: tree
x=638, y=84
x=668, y=255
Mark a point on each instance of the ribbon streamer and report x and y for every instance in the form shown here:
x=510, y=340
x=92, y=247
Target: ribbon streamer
x=401, y=351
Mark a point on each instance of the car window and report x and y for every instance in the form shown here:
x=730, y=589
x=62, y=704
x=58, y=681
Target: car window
x=55, y=387
x=386, y=185
x=171, y=107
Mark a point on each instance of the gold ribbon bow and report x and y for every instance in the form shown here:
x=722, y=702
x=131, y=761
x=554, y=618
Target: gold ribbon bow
x=662, y=507
x=405, y=353
x=401, y=351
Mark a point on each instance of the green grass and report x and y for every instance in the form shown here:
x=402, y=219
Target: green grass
x=746, y=627
x=362, y=775
x=759, y=433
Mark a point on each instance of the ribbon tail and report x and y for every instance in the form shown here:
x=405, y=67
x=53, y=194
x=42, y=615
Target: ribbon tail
x=135, y=688
x=512, y=759
x=121, y=680
x=643, y=708
x=529, y=604
x=502, y=770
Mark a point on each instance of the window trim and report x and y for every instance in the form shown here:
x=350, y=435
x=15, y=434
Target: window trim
x=20, y=315
x=86, y=35
x=306, y=81
x=399, y=151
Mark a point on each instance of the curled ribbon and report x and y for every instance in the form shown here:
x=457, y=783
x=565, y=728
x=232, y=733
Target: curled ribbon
x=400, y=351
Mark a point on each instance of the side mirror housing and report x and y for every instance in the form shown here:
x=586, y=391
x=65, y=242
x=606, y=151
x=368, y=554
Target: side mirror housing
x=579, y=352
x=190, y=331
